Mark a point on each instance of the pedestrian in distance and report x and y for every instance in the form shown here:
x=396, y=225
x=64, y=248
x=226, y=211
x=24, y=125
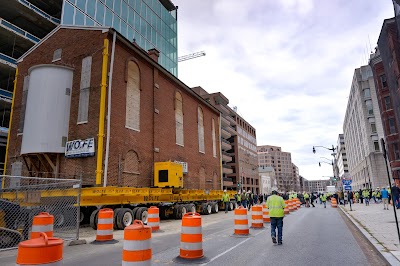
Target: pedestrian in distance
x=385, y=198
x=307, y=199
x=395, y=196
x=312, y=199
x=322, y=197
x=225, y=200
x=276, y=206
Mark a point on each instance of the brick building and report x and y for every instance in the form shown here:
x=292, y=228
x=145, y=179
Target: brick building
x=154, y=117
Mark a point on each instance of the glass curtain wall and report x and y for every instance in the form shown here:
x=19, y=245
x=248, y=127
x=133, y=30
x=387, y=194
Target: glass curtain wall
x=148, y=23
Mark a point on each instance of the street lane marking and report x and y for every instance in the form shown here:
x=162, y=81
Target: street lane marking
x=232, y=248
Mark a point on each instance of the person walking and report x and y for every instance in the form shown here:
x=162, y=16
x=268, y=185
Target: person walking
x=385, y=198
x=225, y=200
x=395, y=196
x=312, y=199
x=323, y=199
x=243, y=198
x=366, y=196
x=276, y=206
x=307, y=199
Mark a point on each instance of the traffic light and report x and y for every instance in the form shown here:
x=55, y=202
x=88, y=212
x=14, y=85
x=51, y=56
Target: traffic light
x=238, y=184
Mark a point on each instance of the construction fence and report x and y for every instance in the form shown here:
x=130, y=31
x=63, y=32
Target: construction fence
x=22, y=198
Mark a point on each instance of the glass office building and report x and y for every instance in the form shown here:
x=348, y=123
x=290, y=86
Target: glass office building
x=150, y=23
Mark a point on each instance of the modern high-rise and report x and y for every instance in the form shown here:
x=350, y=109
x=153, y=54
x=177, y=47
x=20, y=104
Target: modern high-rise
x=362, y=130
x=286, y=172
x=238, y=146
x=341, y=158
x=315, y=185
x=23, y=23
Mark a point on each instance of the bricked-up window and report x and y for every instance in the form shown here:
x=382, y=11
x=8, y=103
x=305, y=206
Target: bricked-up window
x=23, y=104
x=392, y=127
x=200, y=129
x=133, y=97
x=83, y=108
x=179, y=118
x=214, y=142
x=131, y=164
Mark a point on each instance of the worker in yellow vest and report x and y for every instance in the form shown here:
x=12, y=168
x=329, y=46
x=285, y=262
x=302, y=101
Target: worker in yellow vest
x=225, y=200
x=276, y=206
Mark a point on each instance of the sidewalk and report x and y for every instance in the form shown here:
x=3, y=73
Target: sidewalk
x=378, y=226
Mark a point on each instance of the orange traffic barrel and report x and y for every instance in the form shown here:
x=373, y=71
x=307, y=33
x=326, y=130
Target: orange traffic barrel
x=241, y=222
x=290, y=206
x=256, y=217
x=286, y=209
x=105, y=223
x=266, y=218
x=43, y=250
x=334, y=203
x=191, y=236
x=42, y=223
x=137, y=244
x=153, y=218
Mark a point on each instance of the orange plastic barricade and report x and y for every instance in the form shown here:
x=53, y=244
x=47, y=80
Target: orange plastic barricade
x=266, y=218
x=42, y=223
x=105, y=223
x=256, y=217
x=241, y=222
x=43, y=250
x=290, y=206
x=191, y=240
x=153, y=218
x=137, y=244
x=334, y=203
x=286, y=209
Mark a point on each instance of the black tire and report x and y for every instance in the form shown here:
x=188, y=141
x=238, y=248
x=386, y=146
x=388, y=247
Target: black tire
x=142, y=214
x=230, y=206
x=134, y=211
x=124, y=218
x=214, y=208
x=209, y=208
x=115, y=222
x=59, y=219
x=163, y=213
x=178, y=211
x=191, y=207
x=204, y=208
x=93, y=219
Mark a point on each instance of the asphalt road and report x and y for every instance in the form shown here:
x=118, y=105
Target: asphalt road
x=311, y=236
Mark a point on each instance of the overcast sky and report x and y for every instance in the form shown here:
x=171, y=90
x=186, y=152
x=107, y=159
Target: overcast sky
x=286, y=64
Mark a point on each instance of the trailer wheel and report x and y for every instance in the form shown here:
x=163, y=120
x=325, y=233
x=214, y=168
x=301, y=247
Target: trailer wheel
x=191, y=207
x=59, y=219
x=215, y=208
x=209, y=208
x=115, y=222
x=163, y=213
x=124, y=218
x=178, y=211
x=141, y=214
x=184, y=209
x=134, y=211
x=230, y=206
x=93, y=219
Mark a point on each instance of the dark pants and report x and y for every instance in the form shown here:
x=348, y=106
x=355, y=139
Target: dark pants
x=312, y=203
x=226, y=206
x=277, y=222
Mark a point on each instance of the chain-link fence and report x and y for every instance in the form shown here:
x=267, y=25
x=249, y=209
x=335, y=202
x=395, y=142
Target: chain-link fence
x=22, y=198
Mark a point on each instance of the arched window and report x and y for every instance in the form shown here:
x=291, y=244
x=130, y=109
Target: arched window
x=133, y=97
x=200, y=129
x=131, y=164
x=214, y=144
x=179, y=118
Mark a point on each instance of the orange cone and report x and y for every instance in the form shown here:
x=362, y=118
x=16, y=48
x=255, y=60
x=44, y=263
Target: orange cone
x=266, y=218
x=286, y=209
x=256, y=217
x=241, y=222
x=137, y=244
x=42, y=223
x=105, y=223
x=41, y=251
x=153, y=218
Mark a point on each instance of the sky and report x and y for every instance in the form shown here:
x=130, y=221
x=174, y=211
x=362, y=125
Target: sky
x=287, y=65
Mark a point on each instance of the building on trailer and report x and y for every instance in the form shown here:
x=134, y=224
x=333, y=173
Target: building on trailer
x=70, y=83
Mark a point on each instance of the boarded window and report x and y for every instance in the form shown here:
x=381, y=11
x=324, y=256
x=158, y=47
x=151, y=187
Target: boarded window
x=131, y=164
x=200, y=129
x=133, y=97
x=83, y=110
x=179, y=118
x=214, y=144
x=23, y=104
x=202, y=176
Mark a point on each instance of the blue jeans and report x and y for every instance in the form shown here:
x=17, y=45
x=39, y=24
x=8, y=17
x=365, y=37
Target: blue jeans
x=277, y=222
x=226, y=206
x=324, y=202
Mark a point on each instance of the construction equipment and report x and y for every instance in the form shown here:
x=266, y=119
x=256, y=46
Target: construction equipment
x=191, y=56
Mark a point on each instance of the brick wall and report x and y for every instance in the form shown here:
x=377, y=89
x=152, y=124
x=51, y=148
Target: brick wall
x=132, y=153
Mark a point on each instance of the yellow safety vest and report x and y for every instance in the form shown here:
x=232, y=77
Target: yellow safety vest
x=225, y=197
x=276, y=205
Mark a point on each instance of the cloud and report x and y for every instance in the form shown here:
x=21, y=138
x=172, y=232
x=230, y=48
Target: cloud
x=286, y=64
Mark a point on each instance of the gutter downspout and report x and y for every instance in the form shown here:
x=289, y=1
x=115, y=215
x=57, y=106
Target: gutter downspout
x=220, y=152
x=100, y=135
x=9, y=127
x=109, y=109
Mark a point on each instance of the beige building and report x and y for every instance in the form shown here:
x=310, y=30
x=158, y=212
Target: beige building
x=238, y=146
x=286, y=174
x=267, y=179
x=315, y=185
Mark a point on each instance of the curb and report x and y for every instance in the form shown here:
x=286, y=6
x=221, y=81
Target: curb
x=386, y=255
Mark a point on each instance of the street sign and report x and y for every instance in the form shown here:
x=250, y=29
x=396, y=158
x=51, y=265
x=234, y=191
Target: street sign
x=347, y=188
x=347, y=182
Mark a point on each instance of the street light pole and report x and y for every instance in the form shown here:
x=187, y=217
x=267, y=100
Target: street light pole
x=333, y=149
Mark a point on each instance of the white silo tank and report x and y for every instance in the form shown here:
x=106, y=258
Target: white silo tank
x=47, y=109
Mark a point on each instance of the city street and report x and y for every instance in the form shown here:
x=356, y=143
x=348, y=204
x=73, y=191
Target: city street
x=312, y=236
